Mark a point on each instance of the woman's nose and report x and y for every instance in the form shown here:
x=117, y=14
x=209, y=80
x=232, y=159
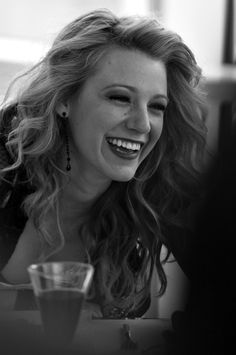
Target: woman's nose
x=139, y=121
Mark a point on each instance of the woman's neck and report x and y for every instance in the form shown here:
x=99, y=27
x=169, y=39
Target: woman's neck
x=80, y=193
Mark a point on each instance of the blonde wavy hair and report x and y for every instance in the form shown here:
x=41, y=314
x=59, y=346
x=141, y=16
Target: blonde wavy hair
x=129, y=214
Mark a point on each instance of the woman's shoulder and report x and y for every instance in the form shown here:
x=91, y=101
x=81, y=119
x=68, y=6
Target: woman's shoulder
x=12, y=195
x=27, y=250
x=9, y=236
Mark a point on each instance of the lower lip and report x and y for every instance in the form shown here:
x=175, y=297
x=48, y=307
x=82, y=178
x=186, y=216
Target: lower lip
x=128, y=156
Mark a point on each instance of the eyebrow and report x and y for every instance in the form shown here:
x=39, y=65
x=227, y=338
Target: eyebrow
x=132, y=88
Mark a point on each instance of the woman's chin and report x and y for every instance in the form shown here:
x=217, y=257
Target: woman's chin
x=125, y=177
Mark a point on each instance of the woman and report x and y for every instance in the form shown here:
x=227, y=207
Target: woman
x=102, y=149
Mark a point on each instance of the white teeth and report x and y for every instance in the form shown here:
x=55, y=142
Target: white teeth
x=124, y=144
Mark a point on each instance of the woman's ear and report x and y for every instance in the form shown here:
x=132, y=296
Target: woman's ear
x=62, y=109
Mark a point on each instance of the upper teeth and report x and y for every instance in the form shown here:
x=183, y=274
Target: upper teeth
x=125, y=144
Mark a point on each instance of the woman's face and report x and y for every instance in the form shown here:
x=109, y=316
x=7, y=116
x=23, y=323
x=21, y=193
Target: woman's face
x=117, y=118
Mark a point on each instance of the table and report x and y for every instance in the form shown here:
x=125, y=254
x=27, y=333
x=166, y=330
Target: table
x=97, y=336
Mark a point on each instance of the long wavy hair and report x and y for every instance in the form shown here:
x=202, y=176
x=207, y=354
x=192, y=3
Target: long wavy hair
x=123, y=233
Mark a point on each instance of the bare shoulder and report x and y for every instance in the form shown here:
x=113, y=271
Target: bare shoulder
x=26, y=252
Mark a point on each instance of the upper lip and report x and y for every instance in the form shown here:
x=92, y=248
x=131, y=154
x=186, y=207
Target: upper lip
x=127, y=140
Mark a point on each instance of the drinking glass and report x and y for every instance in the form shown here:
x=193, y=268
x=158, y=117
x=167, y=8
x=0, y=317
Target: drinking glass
x=60, y=289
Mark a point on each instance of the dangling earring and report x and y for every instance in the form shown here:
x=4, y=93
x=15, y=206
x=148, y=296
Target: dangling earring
x=68, y=166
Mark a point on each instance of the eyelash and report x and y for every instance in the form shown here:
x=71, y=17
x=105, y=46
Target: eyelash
x=123, y=98
x=158, y=107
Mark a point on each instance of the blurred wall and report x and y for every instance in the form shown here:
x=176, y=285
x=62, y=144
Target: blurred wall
x=199, y=22
x=27, y=28
x=40, y=20
x=201, y=25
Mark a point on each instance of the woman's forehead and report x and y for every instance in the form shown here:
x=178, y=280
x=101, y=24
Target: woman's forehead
x=128, y=67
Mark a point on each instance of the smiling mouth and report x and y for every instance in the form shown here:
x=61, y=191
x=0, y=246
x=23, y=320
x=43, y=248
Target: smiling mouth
x=124, y=148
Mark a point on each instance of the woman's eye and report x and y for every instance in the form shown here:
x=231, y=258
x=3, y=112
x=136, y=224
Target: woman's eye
x=158, y=107
x=121, y=98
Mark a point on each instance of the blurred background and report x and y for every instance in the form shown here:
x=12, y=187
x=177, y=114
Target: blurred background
x=27, y=28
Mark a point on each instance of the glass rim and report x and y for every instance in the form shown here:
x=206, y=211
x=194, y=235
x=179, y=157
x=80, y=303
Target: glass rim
x=33, y=267
x=87, y=270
